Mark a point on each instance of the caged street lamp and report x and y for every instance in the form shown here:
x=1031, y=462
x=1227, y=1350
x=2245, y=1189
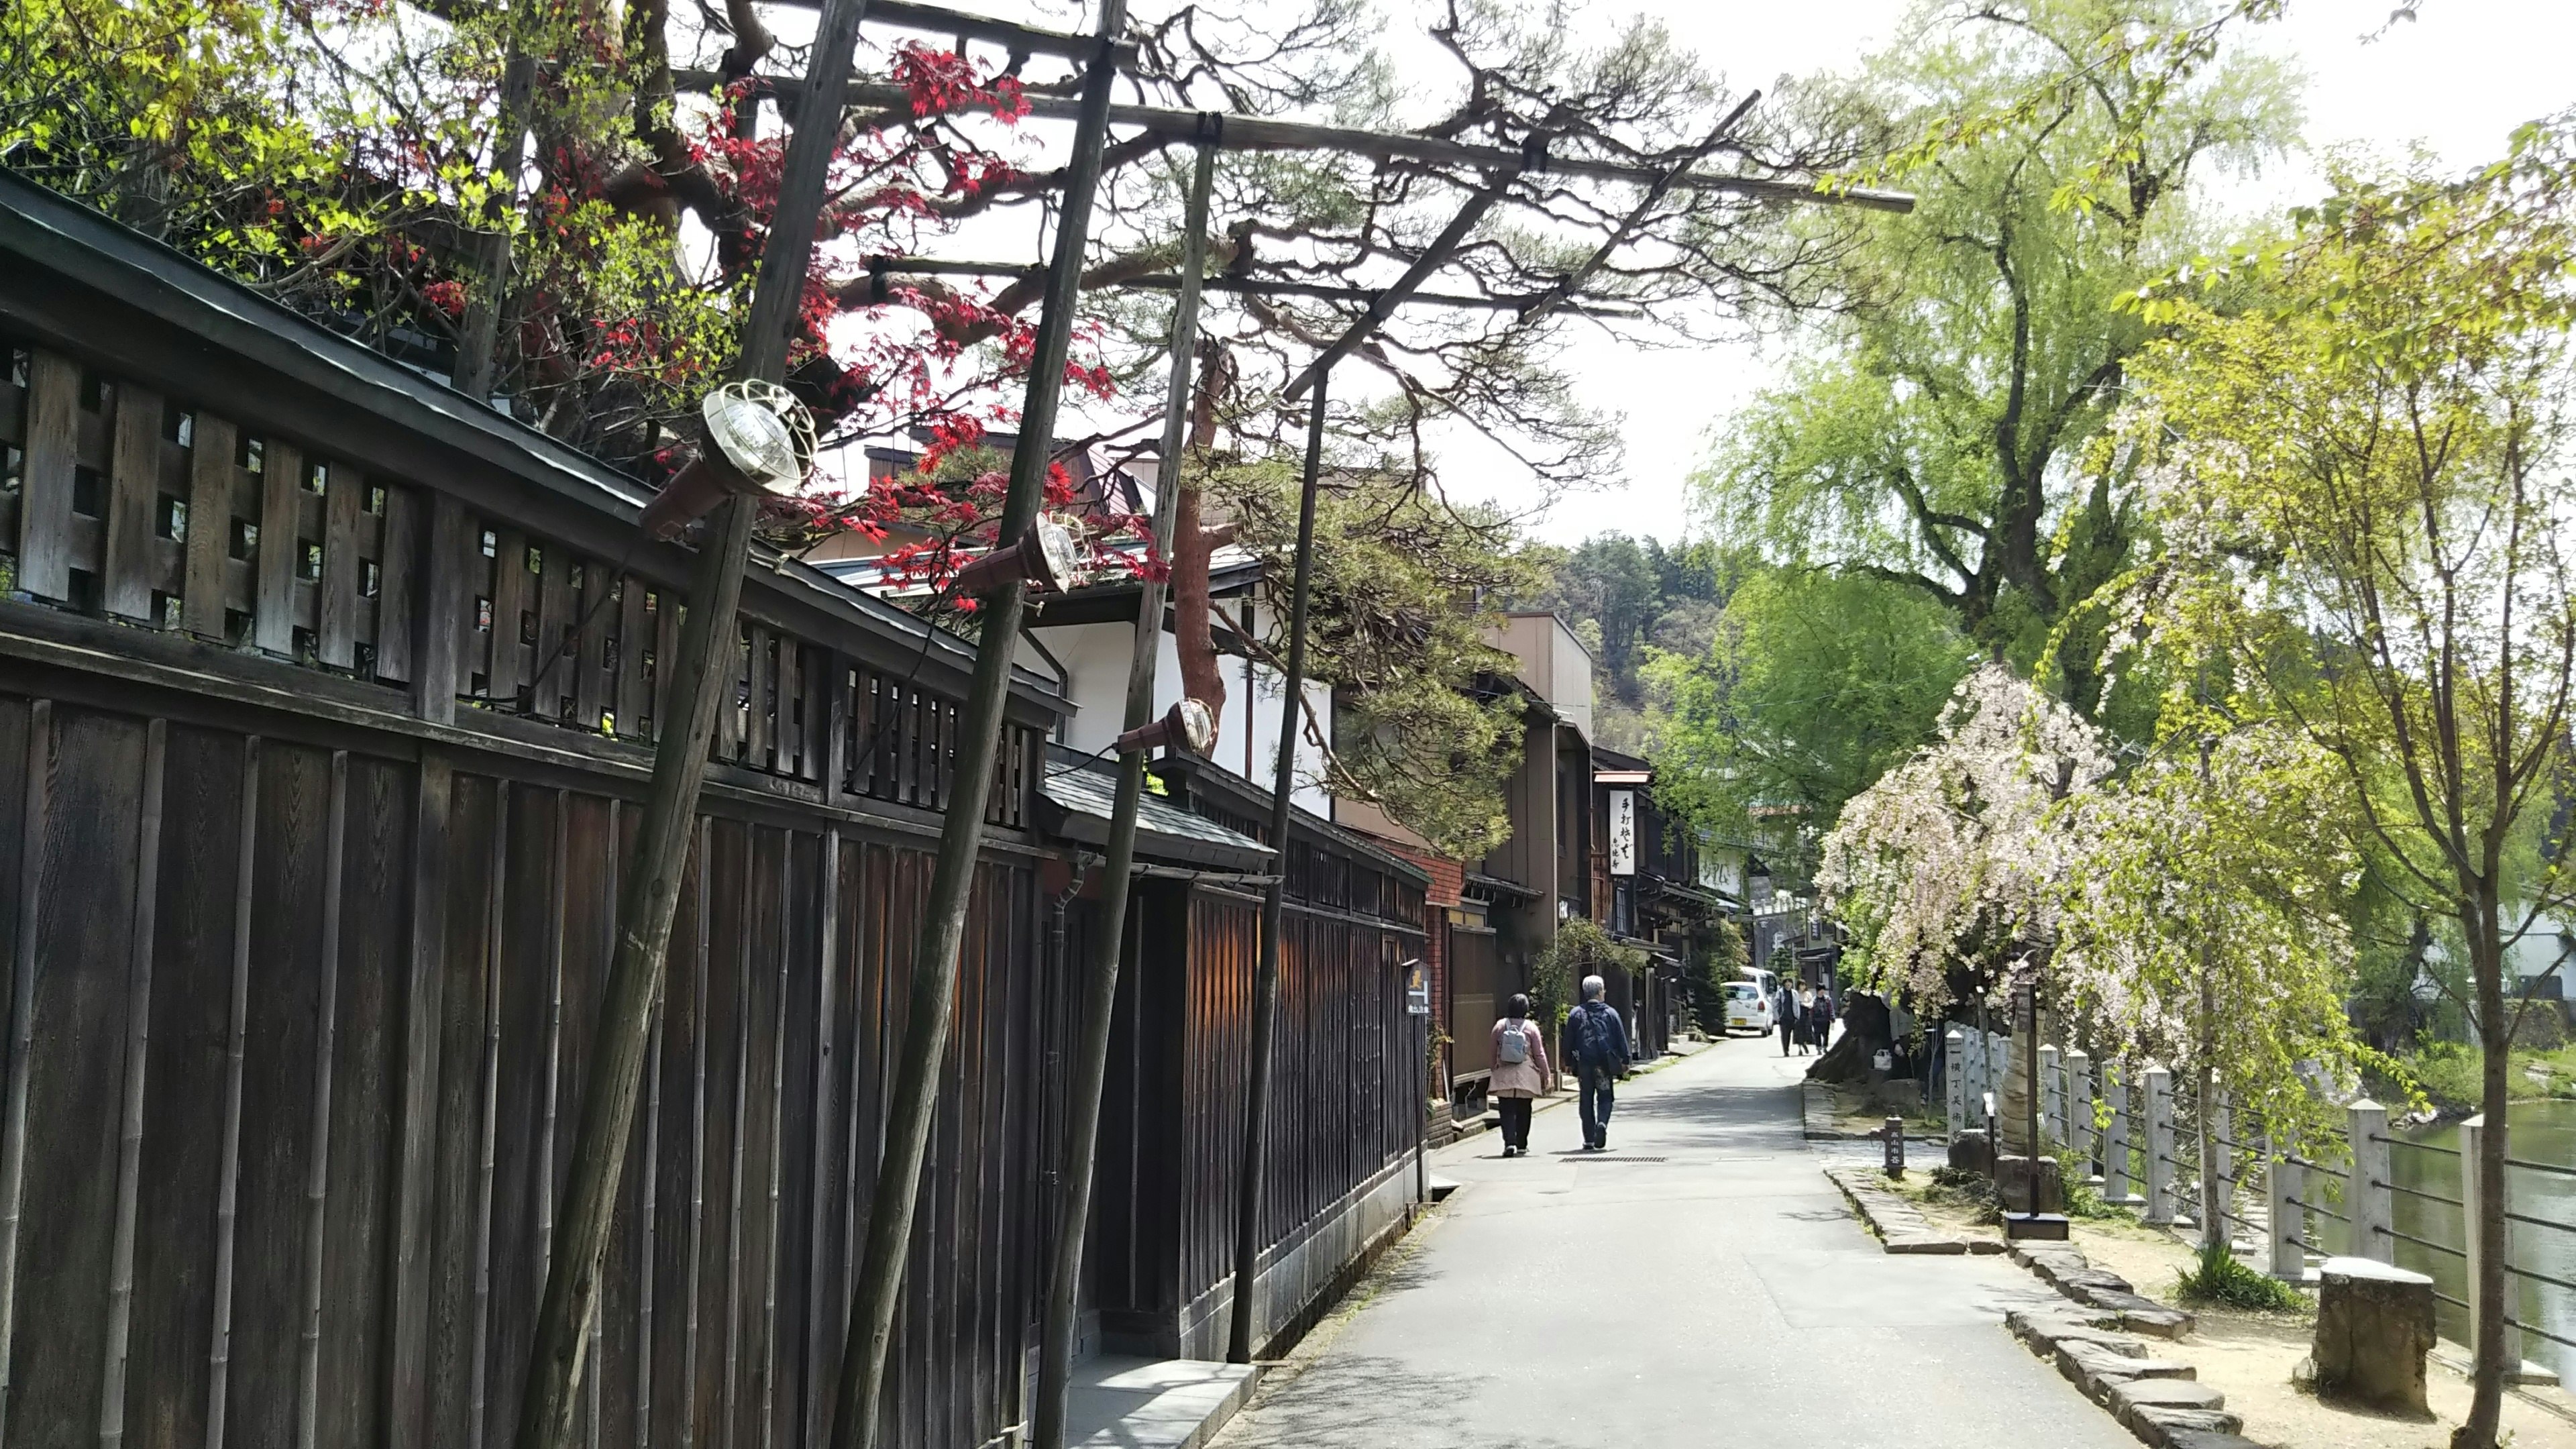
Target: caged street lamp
x=1044, y=555
x=760, y=440
x=1187, y=726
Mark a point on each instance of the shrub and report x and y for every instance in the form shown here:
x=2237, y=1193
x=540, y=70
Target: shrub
x=2227, y=1283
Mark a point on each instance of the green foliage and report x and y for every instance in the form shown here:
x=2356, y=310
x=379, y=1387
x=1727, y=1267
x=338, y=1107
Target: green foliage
x=1402, y=601
x=1631, y=600
x=1581, y=949
x=1720, y=958
x=1933, y=433
x=1812, y=687
x=2202, y=923
x=2083, y=1199
x=2221, y=1281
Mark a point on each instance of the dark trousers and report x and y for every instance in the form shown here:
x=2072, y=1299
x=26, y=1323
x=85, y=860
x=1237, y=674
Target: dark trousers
x=1516, y=1120
x=1597, y=1102
x=1787, y=1030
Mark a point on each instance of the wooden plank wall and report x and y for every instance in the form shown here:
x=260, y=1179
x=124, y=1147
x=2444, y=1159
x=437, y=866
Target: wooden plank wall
x=297, y=1027
x=118, y=502
x=1340, y=1076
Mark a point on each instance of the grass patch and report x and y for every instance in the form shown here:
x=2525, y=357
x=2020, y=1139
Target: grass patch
x=1965, y=1190
x=2221, y=1281
x=2449, y=1074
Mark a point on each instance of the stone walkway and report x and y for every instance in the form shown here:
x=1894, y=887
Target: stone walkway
x=1700, y=1284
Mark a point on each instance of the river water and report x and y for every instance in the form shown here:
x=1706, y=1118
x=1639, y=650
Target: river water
x=2426, y=1161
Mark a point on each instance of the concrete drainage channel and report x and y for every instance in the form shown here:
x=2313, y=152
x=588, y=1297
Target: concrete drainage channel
x=2094, y=1338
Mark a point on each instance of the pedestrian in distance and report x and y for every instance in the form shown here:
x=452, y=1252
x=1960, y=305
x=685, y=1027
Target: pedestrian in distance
x=1595, y=1043
x=1521, y=1072
x=1803, y=1014
x=1784, y=1015
x=1820, y=1018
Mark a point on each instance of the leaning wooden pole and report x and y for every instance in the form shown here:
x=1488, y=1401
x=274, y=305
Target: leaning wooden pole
x=1265, y=976
x=1090, y=1065
x=915, y=1098
x=703, y=673
x=1250, y=1179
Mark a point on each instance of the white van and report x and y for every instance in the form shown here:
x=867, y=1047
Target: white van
x=1748, y=1002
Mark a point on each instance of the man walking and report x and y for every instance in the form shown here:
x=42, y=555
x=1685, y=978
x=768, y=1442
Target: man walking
x=1784, y=1015
x=1595, y=1043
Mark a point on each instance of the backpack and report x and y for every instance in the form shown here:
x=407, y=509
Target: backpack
x=1514, y=1048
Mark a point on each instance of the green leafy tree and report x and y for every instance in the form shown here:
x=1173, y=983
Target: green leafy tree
x=1403, y=597
x=1932, y=431
x=2365, y=488
x=1813, y=685
x=2203, y=922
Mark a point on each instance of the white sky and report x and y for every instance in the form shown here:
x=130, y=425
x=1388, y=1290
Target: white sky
x=2459, y=80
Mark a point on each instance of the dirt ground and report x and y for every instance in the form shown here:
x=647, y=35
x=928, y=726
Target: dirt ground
x=2249, y=1357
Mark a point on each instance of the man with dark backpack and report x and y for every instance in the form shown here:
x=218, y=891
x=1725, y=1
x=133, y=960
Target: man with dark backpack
x=1595, y=1043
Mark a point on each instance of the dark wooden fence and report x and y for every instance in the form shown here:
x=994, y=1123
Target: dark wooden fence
x=1344, y=1084
x=325, y=705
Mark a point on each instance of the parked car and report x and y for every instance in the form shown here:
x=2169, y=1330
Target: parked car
x=1748, y=1007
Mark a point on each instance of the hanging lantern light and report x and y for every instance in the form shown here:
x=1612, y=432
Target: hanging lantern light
x=1044, y=555
x=1187, y=726
x=760, y=439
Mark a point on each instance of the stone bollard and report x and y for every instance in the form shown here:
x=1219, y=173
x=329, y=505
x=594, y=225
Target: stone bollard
x=2052, y=1096
x=2160, y=1132
x=1954, y=1053
x=2473, y=1134
x=2366, y=1199
x=2079, y=1086
x=2286, y=1181
x=2374, y=1326
x=2221, y=1195
x=2118, y=1184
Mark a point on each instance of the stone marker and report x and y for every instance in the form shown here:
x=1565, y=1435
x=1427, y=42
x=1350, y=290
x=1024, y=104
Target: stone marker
x=2374, y=1326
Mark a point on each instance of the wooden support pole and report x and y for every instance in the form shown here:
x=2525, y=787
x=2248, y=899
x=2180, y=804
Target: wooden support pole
x=1274, y=901
x=704, y=670
x=1090, y=1065
x=914, y=1098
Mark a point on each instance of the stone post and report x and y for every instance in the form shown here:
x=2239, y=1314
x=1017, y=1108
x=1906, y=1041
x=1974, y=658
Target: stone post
x=2118, y=1185
x=2287, y=1182
x=2366, y=1200
x=2473, y=1135
x=2220, y=1196
x=2052, y=1097
x=2160, y=1146
x=1954, y=1062
x=2079, y=1086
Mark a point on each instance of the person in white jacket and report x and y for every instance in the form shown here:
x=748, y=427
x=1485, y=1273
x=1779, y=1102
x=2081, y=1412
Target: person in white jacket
x=1520, y=1073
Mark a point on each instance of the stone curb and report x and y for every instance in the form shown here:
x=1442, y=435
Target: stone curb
x=2065, y=1269
x=1901, y=1227
x=2160, y=1401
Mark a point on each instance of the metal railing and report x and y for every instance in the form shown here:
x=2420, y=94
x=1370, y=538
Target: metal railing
x=2140, y=1134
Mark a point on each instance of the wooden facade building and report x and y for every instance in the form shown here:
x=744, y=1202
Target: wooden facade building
x=326, y=704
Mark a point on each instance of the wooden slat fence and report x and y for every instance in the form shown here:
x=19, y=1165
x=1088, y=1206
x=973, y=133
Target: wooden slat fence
x=297, y=1032
x=119, y=502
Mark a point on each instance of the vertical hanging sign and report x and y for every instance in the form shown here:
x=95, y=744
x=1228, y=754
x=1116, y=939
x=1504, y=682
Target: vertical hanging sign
x=1623, y=832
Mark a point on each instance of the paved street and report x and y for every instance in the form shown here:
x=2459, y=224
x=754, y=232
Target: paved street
x=1720, y=1296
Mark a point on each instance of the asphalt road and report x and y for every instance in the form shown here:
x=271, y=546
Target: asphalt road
x=1720, y=1296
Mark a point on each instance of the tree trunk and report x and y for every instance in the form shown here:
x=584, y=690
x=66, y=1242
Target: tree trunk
x=2493, y=1354
x=1192, y=637
x=1866, y=1033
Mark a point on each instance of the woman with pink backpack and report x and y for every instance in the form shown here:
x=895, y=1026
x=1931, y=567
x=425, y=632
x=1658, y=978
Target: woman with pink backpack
x=1520, y=1074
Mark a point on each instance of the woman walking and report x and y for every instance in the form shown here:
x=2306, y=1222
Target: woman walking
x=1820, y=1019
x=1520, y=1073
x=1806, y=1015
